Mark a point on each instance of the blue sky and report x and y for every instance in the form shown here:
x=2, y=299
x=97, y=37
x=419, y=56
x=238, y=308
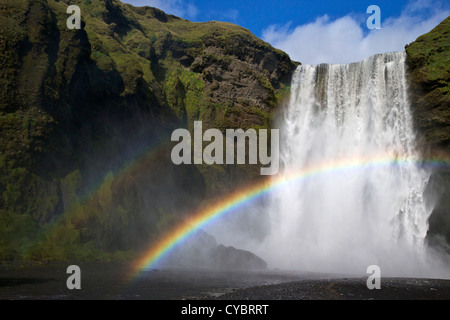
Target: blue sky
x=318, y=31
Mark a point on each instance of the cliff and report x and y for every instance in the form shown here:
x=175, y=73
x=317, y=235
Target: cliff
x=429, y=77
x=85, y=116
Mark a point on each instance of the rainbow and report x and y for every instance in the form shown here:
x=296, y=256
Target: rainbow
x=130, y=168
x=208, y=214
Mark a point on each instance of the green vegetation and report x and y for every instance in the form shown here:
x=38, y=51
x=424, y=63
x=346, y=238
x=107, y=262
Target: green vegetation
x=74, y=100
x=428, y=58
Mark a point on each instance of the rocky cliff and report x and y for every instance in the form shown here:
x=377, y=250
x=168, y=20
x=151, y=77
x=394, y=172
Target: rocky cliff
x=85, y=116
x=429, y=77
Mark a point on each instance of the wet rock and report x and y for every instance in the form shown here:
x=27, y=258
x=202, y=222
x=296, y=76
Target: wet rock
x=429, y=81
x=201, y=251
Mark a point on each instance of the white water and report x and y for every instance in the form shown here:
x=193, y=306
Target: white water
x=345, y=220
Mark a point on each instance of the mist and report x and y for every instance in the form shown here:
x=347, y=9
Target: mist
x=346, y=219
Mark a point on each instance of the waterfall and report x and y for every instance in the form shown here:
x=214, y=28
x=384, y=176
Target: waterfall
x=350, y=216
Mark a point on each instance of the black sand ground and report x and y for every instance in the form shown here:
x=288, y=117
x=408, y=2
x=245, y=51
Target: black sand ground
x=347, y=289
x=112, y=281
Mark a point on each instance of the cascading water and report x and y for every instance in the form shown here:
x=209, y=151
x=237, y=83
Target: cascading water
x=347, y=218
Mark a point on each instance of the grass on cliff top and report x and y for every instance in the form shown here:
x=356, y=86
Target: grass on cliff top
x=432, y=50
x=156, y=22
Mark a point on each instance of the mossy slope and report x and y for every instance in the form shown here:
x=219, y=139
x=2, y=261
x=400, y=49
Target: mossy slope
x=77, y=106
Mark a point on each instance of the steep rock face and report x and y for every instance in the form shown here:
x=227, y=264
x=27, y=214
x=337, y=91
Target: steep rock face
x=428, y=59
x=429, y=76
x=81, y=109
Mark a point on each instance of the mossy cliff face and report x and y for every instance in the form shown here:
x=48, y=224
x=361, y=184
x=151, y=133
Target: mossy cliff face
x=429, y=77
x=79, y=106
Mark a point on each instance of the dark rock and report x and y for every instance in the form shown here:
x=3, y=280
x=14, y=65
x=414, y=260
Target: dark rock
x=428, y=59
x=200, y=250
x=429, y=77
x=230, y=258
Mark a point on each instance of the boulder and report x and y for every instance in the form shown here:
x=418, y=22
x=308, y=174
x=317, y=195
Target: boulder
x=230, y=258
x=201, y=251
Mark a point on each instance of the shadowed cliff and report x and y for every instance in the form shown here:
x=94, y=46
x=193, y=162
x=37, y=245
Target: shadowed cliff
x=86, y=117
x=429, y=79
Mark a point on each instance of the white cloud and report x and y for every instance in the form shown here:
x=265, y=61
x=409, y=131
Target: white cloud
x=344, y=40
x=180, y=8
